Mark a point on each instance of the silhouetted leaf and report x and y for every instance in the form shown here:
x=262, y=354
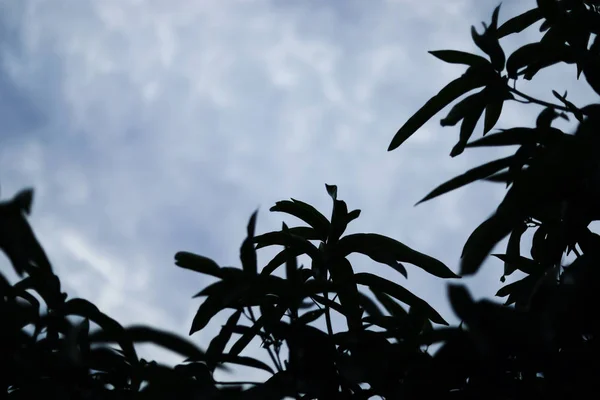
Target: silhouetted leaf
x=310, y=316
x=513, y=248
x=247, y=251
x=488, y=41
x=465, y=107
x=295, y=243
x=306, y=213
x=519, y=262
x=198, y=263
x=343, y=275
x=387, y=250
x=332, y=190
x=246, y=362
x=482, y=241
x=472, y=79
x=519, y=23
x=466, y=129
x=227, y=295
x=164, y=339
x=536, y=56
x=470, y=176
x=218, y=343
x=85, y=309
x=492, y=114
x=247, y=336
x=459, y=57
x=461, y=300
x=400, y=293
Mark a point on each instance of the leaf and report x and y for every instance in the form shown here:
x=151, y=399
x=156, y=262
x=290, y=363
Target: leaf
x=246, y=361
x=332, y=190
x=465, y=107
x=247, y=250
x=247, y=336
x=513, y=248
x=310, y=316
x=218, y=343
x=399, y=293
x=339, y=221
x=459, y=57
x=488, y=41
x=519, y=23
x=145, y=334
x=470, y=176
x=461, y=300
x=389, y=304
x=506, y=137
x=306, y=213
x=85, y=309
x=521, y=263
x=482, y=241
x=296, y=243
x=492, y=114
x=343, y=276
x=472, y=79
x=387, y=250
x=279, y=259
x=466, y=129
x=23, y=200
x=536, y=56
x=201, y=264
x=370, y=307
x=227, y=295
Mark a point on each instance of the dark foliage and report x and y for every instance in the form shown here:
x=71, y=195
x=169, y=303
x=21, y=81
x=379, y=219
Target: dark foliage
x=542, y=343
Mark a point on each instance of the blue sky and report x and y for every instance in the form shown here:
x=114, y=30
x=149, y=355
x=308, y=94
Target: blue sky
x=149, y=127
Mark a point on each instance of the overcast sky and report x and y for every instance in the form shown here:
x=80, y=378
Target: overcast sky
x=149, y=127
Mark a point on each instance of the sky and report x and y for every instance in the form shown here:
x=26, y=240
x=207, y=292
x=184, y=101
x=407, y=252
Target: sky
x=150, y=127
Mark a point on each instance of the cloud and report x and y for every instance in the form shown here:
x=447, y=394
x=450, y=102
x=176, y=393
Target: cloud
x=152, y=127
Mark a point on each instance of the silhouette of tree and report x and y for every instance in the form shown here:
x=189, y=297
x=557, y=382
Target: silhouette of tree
x=541, y=344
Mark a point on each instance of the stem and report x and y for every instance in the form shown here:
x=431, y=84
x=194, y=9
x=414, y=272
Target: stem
x=536, y=101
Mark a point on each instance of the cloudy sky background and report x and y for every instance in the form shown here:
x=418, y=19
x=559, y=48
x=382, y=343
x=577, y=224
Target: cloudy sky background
x=149, y=127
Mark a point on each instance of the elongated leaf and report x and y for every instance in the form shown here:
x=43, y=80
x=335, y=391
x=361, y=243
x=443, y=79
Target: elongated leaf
x=462, y=109
x=310, y=316
x=247, y=251
x=218, y=343
x=506, y=137
x=306, y=213
x=492, y=114
x=466, y=129
x=247, y=336
x=370, y=306
x=400, y=293
x=389, y=304
x=281, y=238
x=227, y=295
x=343, y=275
x=459, y=57
x=84, y=308
x=521, y=263
x=245, y=361
x=472, y=79
x=279, y=259
x=470, y=176
x=519, y=23
x=201, y=264
x=332, y=190
x=513, y=248
x=536, y=56
x=144, y=334
x=482, y=241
